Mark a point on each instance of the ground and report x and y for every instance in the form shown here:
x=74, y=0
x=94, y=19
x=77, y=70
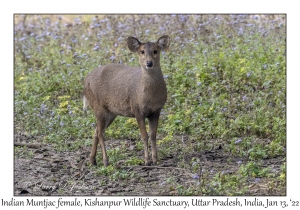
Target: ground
x=48, y=172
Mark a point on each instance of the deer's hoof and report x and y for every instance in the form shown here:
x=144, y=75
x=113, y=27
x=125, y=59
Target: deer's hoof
x=105, y=163
x=93, y=161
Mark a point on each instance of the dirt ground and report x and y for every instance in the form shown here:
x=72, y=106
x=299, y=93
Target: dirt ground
x=48, y=172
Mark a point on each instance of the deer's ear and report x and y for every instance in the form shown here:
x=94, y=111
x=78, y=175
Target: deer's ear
x=133, y=44
x=164, y=42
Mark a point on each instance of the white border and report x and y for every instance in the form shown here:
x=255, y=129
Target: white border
x=153, y=6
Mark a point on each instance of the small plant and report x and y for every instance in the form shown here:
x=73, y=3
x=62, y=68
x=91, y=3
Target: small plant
x=253, y=169
x=107, y=171
x=122, y=175
x=134, y=161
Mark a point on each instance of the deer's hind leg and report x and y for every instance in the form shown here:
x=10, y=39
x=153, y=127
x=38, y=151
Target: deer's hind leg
x=104, y=119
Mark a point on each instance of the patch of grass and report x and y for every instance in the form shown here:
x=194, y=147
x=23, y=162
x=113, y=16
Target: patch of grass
x=122, y=174
x=23, y=152
x=134, y=161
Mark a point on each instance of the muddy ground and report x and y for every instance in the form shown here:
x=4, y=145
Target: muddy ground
x=48, y=172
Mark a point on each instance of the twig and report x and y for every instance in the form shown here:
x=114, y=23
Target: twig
x=29, y=145
x=153, y=167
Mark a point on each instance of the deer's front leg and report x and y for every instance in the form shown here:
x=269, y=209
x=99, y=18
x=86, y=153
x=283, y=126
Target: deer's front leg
x=142, y=126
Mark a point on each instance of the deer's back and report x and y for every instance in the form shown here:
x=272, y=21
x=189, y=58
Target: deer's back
x=112, y=87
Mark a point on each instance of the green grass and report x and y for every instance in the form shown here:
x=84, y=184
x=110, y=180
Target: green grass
x=225, y=75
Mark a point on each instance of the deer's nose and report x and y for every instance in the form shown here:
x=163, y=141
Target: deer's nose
x=149, y=63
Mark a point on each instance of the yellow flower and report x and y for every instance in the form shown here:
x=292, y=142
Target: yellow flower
x=131, y=121
x=282, y=176
x=63, y=104
x=63, y=97
x=46, y=98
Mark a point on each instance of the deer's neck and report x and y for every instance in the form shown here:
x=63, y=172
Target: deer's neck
x=152, y=80
x=151, y=74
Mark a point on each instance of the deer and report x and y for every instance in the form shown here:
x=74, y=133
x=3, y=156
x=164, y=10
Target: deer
x=119, y=90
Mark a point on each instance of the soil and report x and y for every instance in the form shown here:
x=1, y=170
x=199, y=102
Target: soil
x=48, y=172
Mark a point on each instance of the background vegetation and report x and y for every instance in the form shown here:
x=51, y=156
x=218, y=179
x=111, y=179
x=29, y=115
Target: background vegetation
x=226, y=81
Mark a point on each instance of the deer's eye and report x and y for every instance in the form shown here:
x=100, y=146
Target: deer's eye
x=142, y=52
x=155, y=52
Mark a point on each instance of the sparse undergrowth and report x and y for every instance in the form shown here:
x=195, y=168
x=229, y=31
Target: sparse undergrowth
x=226, y=81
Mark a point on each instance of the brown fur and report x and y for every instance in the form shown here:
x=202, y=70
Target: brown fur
x=128, y=91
